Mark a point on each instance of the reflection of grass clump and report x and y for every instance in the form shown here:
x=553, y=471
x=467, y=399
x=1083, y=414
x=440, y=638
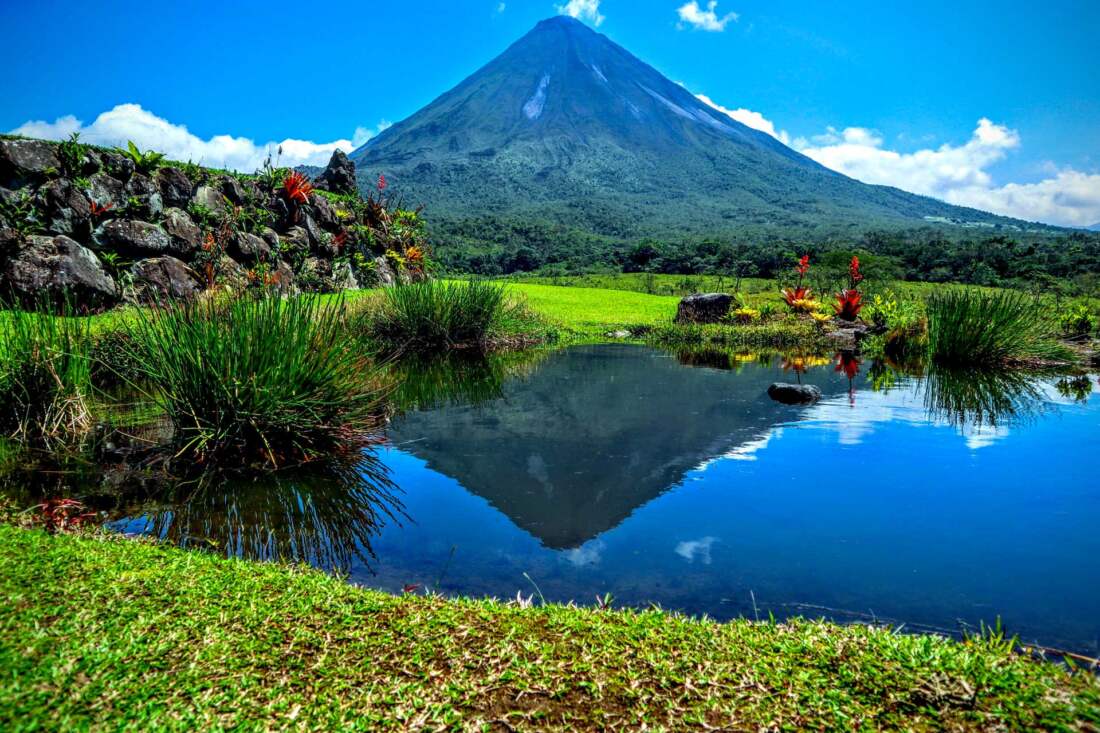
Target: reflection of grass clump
x=45, y=383
x=264, y=379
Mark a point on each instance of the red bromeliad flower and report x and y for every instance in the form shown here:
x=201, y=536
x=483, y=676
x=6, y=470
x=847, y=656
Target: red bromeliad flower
x=297, y=188
x=340, y=240
x=791, y=295
x=382, y=183
x=848, y=304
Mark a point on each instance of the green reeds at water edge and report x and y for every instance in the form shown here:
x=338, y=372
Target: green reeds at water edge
x=45, y=382
x=258, y=380
x=990, y=329
x=433, y=316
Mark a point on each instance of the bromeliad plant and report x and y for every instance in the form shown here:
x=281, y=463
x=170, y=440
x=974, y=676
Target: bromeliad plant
x=849, y=301
x=800, y=298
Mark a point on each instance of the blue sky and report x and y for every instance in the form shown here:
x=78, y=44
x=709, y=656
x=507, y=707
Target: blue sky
x=876, y=90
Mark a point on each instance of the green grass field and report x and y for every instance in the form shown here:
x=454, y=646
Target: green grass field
x=113, y=634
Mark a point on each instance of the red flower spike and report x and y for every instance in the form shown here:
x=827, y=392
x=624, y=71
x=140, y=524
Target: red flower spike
x=382, y=183
x=853, y=272
x=803, y=265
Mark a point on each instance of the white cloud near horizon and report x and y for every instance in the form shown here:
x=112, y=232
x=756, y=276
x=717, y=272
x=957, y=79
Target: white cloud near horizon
x=957, y=174
x=148, y=131
x=704, y=20
x=748, y=118
x=583, y=10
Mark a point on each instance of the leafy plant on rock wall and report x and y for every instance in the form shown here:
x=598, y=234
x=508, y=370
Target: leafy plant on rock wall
x=144, y=161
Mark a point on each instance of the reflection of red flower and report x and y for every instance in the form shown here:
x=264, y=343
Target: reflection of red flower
x=297, y=187
x=848, y=364
x=848, y=304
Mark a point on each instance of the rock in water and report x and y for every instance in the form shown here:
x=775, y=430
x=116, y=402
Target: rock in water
x=794, y=394
x=339, y=175
x=704, y=308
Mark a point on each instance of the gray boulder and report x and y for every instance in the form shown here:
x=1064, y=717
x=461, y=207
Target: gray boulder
x=161, y=278
x=209, y=197
x=339, y=175
x=231, y=188
x=68, y=210
x=56, y=268
x=26, y=161
x=175, y=187
x=323, y=213
x=704, y=308
x=794, y=394
x=249, y=249
x=185, y=235
x=117, y=164
x=384, y=272
x=106, y=191
x=142, y=189
x=131, y=237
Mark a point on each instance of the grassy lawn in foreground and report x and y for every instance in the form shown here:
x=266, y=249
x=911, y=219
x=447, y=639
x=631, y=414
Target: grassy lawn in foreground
x=112, y=634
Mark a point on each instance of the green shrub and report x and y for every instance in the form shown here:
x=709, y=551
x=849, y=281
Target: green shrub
x=435, y=316
x=1076, y=320
x=257, y=379
x=44, y=376
x=997, y=328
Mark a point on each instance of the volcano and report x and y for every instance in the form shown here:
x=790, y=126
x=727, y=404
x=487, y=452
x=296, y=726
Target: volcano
x=570, y=134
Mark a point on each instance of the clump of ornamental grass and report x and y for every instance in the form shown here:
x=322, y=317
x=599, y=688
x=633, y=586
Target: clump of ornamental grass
x=258, y=380
x=45, y=383
x=434, y=316
x=995, y=328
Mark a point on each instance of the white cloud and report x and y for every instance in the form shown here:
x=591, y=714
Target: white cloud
x=583, y=10
x=501, y=8
x=699, y=549
x=131, y=122
x=704, y=20
x=1071, y=198
x=958, y=173
x=748, y=118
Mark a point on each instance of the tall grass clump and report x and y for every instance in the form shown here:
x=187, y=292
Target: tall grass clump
x=45, y=383
x=435, y=316
x=994, y=328
x=257, y=380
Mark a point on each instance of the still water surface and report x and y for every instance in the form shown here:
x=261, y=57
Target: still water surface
x=940, y=503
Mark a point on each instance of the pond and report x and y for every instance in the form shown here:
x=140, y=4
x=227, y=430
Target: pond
x=940, y=502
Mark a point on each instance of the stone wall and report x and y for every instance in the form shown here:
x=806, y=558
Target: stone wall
x=98, y=227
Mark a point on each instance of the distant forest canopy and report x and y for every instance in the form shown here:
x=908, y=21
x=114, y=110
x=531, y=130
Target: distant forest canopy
x=1067, y=262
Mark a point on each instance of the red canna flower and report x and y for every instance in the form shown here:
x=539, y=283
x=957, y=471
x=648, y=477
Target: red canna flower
x=382, y=183
x=297, y=187
x=848, y=304
x=803, y=266
x=853, y=272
